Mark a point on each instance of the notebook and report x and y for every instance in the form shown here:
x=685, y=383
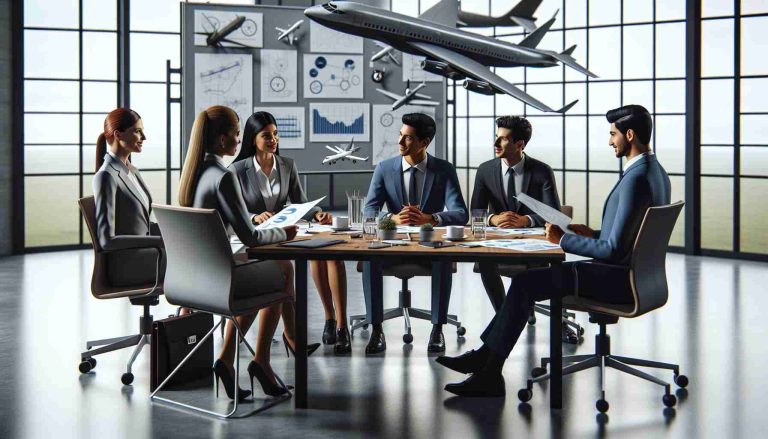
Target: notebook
x=313, y=243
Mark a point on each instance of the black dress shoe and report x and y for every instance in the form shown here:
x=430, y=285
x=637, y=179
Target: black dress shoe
x=377, y=343
x=311, y=347
x=569, y=335
x=343, y=342
x=436, y=339
x=221, y=372
x=468, y=362
x=269, y=388
x=329, y=332
x=480, y=384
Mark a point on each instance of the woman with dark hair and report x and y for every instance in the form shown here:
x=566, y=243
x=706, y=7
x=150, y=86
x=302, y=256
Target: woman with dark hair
x=268, y=182
x=207, y=183
x=124, y=205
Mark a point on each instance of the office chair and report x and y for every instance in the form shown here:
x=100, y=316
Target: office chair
x=140, y=295
x=404, y=309
x=202, y=274
x=512, y=270
x=648, y=281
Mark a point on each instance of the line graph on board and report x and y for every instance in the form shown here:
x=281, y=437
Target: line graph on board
x=339, y=122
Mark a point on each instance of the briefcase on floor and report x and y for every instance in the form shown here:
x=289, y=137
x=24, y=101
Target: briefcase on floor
x=172, y=339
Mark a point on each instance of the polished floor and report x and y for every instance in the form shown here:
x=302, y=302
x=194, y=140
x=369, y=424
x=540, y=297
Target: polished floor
x=714, y=326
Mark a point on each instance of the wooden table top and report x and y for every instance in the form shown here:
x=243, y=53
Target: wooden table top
x=357, y=249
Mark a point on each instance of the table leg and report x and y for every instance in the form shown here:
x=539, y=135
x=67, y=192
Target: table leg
x=300, y=393
x=555, y=339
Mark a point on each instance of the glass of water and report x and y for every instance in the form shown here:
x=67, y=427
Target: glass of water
x=479, y=218
x=370, y=224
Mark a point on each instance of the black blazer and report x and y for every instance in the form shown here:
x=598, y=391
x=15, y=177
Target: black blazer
x=290, y=187
x=217, y=188
x=538, y=183
x=123, y=225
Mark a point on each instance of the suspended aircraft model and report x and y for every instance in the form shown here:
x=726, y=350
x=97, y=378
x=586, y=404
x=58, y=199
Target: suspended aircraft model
x=520, y=15
x=289, y=33
x=342, y=154
x=411, y=97
x=450, y=52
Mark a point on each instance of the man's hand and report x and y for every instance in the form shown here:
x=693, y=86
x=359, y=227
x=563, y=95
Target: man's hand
x=291, y=232
x=323, y=218
x=553, y=233
x=582, y=230
x=258, y=219
x=509, y=220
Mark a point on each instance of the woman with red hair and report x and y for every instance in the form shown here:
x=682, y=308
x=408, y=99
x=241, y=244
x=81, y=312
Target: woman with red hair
x=124, y=205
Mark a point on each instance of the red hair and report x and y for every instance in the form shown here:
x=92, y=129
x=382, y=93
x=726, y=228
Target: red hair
x=119, y=119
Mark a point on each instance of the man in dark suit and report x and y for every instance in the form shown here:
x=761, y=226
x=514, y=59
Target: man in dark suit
x=643, y=184
x=417, y=189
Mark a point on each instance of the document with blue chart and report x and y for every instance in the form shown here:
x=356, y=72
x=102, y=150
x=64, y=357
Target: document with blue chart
x=290, y=215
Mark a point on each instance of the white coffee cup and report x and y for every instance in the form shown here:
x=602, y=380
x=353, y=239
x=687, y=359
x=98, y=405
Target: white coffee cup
x=340, y=222
x=454, y=232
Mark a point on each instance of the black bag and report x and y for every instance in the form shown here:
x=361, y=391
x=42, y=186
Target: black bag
x=172, y=339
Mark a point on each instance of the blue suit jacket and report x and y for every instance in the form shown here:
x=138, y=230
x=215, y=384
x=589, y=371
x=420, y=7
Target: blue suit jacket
x=441, y=194
x=644, y=184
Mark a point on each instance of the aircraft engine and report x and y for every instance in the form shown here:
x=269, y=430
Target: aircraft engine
x=479, y=87
x=442, y=69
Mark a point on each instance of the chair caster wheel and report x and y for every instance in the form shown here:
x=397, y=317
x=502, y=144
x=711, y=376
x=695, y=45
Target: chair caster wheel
x=407, y=338
x=85, y=366
x=524, y=395
x=538, y=371
x=602, y=405
x=127, y=378
x=669, y=400
x=681, y=381
x=93, y=363
x=581, y=330
x=532, y=319
x=461, y=331
x=365, y=327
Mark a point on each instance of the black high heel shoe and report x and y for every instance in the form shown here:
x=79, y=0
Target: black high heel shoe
x=255, y=370
x=329, y=332
x=310, y=347
x=222, y=373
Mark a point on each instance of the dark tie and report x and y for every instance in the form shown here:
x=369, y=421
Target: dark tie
x=511, y=192
x=413, y=196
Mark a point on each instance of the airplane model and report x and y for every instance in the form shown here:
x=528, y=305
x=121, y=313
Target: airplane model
x=450, y=52
x=289, y=33
x=520, y=15
x=411, y=97
x=385, y=51
x=215, y=38
x=342, y=154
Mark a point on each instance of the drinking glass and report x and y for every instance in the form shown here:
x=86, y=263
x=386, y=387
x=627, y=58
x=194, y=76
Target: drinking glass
x=479, y=218
x=370, y=224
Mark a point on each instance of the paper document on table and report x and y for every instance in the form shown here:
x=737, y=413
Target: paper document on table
x=236, y=244
x=550, y=215
x=523, y=245
x=527, y=231
x=289, y=216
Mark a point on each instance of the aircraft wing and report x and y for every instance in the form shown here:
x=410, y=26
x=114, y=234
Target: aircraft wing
x=423, y=102
x=474, y=69
x=389, y=94
x=351, y=157
x=421, y=96
x=334, y=149
x=525, y=23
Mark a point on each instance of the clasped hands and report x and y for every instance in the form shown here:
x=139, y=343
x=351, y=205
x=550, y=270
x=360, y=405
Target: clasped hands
x=554, y=233
x=510, y=220
x=412, y=216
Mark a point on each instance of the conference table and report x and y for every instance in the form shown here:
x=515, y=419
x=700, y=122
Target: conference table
x=356, y=249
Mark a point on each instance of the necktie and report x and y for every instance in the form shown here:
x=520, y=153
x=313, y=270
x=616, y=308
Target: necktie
x=413, y=196
x=511, y=191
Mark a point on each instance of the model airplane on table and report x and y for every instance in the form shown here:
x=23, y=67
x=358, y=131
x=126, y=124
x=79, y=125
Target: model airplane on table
x=340, y=153
x=520, y=15
x=289, y=33
x=411, y=97
x=450, y=52
x=216, y=37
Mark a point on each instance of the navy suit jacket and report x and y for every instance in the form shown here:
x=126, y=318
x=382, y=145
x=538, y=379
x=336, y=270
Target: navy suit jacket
x=644, y=184
x=441, y=194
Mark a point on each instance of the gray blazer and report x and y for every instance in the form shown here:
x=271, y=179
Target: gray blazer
x=290, y=187
x=123, y=225
x=538, y=183
x=217, y=188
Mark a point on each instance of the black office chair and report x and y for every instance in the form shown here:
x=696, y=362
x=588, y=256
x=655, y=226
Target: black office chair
x=512, y=270
x=140, y=295
x=202, y=275
x=404, y=309
x=648, y=280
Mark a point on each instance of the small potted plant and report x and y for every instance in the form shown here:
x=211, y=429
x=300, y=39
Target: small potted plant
x=387, y=229
x=426, y=233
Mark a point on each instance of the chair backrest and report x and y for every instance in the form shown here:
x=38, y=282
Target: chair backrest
x=648, y=274
x=567, y=210
x=99, y=282
x=199, y=258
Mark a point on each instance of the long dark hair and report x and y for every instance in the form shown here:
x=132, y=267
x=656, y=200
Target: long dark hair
x=253, y=127
x=119, y=119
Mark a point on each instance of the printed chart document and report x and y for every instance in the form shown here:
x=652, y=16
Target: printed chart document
x=526, y=231
x=523, y=245
x=290, y=215
x=550, y=215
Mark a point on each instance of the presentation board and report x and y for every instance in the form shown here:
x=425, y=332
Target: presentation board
x=316, y=82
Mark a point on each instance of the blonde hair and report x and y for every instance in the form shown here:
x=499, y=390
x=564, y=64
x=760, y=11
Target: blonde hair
x=209, y=125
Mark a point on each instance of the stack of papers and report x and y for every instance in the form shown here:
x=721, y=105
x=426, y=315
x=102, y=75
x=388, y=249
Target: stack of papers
x=413, y=229
x=522, y=245
x=526, y=231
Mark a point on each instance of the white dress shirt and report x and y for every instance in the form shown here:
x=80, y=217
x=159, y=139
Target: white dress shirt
x=269, y=184
x=518, y=169
x=135, y=181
